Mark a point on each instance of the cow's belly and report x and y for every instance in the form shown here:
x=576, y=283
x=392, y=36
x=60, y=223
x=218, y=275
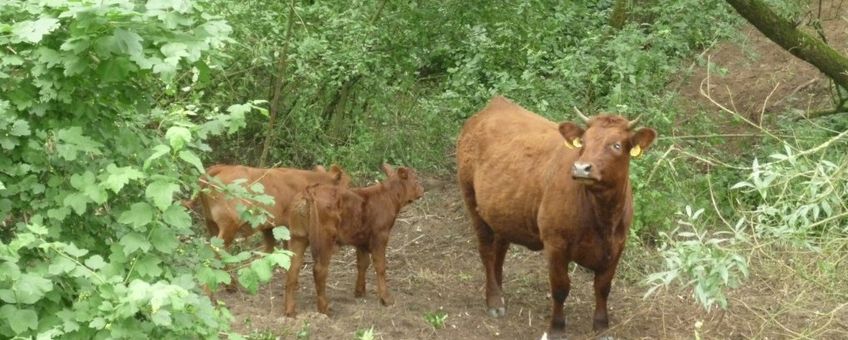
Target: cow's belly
x=511, y=215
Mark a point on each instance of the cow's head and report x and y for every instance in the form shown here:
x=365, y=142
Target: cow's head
x=339, y=176
x=605, y=147
x=411, y=188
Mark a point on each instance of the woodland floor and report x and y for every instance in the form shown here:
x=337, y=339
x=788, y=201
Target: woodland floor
x=434, y=265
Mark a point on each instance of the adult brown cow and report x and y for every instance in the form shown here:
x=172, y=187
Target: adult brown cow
x=324, y=216
x=222, y=218
x=563, y=189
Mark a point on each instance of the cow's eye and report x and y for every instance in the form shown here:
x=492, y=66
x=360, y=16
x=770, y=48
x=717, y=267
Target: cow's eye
x=616, y=146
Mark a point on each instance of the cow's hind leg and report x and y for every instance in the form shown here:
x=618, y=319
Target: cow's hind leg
x=298, y=247
x=319, y=271
x=500, y=246
x=363, y=261
x=489, y=250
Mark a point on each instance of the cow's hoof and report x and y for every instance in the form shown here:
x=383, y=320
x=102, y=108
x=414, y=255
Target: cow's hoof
x=497, y=312
x=387, y=301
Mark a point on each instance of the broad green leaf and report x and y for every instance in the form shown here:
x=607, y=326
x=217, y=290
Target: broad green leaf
x=19, y=128
x=95, y=262
x=76, y=201
x=139, y=215
x=282, y=259
x=133, y=242
x=71, y=141
x=148, y=266
x=177, y=216
x=158, y=151
x=162, y=318
x=30, y=288
x=248, y=278
x=37, y=228
x=128, y=42
x=80, y=181
x=263, y=269
x=20, y=320
x=2, y=187
x=61, y=265
x=33, y=31
x=178, y=137
x=119, y=177
x=281, y=233
x=97, y=323
x=72, y=250
x=9, y=271
x=7, y=296
x=161, y=193
x=58, y=214
x=192, y=159
x=163, y=239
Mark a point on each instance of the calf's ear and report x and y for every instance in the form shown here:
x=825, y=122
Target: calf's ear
x=403, y=173
x=387, y=169
x=320, y=168
x=643, y=138
x=570, y=131
x=337, y=173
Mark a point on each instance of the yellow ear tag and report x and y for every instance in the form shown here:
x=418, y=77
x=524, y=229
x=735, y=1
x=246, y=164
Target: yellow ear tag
x=568, y=145
x=577, y=143
x=636, y=151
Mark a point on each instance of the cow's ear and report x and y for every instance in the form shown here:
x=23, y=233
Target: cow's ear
x=403, y=173
x=570, y=131
x=387, y=169
x=337, y=173
x=320, y=168
x=641, y=141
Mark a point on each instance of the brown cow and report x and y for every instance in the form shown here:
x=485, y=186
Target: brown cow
x=326, y=215
x=283, y=184
x=563, y=189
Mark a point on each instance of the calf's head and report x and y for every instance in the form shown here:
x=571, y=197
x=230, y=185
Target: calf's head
x=407, y=179
x=605, y=147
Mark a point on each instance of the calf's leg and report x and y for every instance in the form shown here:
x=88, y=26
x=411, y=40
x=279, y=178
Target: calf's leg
x=319, y=272
x=363, y=261
x=378, y=255
x=298, y=247
x=268, y=239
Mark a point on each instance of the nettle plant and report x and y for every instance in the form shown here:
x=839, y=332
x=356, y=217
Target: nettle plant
x=93, y=243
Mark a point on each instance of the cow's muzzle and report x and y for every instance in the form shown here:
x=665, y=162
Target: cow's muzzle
x=582, y=172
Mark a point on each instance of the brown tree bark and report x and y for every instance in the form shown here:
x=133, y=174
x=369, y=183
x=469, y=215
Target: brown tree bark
x=799, y=43
x=282, y=65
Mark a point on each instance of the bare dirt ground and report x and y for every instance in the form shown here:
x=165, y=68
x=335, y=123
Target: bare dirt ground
x=434, y=265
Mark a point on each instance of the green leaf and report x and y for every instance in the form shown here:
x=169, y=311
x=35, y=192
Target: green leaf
x=9, y=271
x=148, y=266
x=192, y=159
x=162, y=318
x=178, y=137
x=72, y=250
x=30, y=288
x=134, y=241
x=119, y=177
x=158, y=151
x=263, y=269
x=248, y=278
x=139, y=215
x=163, y=239
x=20, y=320
x=19, y=128
x=177, y=216
x=2, y=187
x=37, y=228
x=95, y=262
x=281, y=258
x=8, y=296
x=33, y=31
x=161, y=193
x=71, y=141
x=76, y=201
x=58, y=214
x=61, y=265
x=128, y=42
x=281, y=233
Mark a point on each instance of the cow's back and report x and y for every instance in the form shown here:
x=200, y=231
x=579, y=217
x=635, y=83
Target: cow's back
x=503, y=154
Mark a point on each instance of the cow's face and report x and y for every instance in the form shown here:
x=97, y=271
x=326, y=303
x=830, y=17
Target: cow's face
x=411, y=188
x=605, y=148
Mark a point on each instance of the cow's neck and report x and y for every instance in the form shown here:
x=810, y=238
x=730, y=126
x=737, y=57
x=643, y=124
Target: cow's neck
x=606, y=205
x=385, y=191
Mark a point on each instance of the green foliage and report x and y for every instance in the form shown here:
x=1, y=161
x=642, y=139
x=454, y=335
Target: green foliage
x=94, y=244
x=436, y=319
x=709, y=261
x=364, y=334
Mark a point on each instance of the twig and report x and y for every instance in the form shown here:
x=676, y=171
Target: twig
x=765, y=103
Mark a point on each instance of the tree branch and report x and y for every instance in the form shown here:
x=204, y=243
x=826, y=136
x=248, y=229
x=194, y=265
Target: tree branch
x=282, y=65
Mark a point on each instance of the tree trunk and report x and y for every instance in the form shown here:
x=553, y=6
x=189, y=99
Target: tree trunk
x=797, y=42
x=282, y=65
x=619, y=14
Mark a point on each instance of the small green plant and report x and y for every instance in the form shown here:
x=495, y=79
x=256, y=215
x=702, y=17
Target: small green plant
x=706, y=260
x=436, y=319
x=304, y=331
x=364, y=334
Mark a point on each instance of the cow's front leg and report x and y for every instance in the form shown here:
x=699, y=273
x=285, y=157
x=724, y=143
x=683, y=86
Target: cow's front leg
x=603, y=283
x=560, y=286
x=378, y=255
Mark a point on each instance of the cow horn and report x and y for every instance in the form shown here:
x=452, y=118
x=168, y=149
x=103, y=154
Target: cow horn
x=581, y=115
x=632, y=123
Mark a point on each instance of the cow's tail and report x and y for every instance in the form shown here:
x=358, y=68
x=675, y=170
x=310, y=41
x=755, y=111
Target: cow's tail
x=317, y=235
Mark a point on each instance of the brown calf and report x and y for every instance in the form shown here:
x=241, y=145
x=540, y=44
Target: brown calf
x=326, y=215
x=529, y=181
x=283, y=184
